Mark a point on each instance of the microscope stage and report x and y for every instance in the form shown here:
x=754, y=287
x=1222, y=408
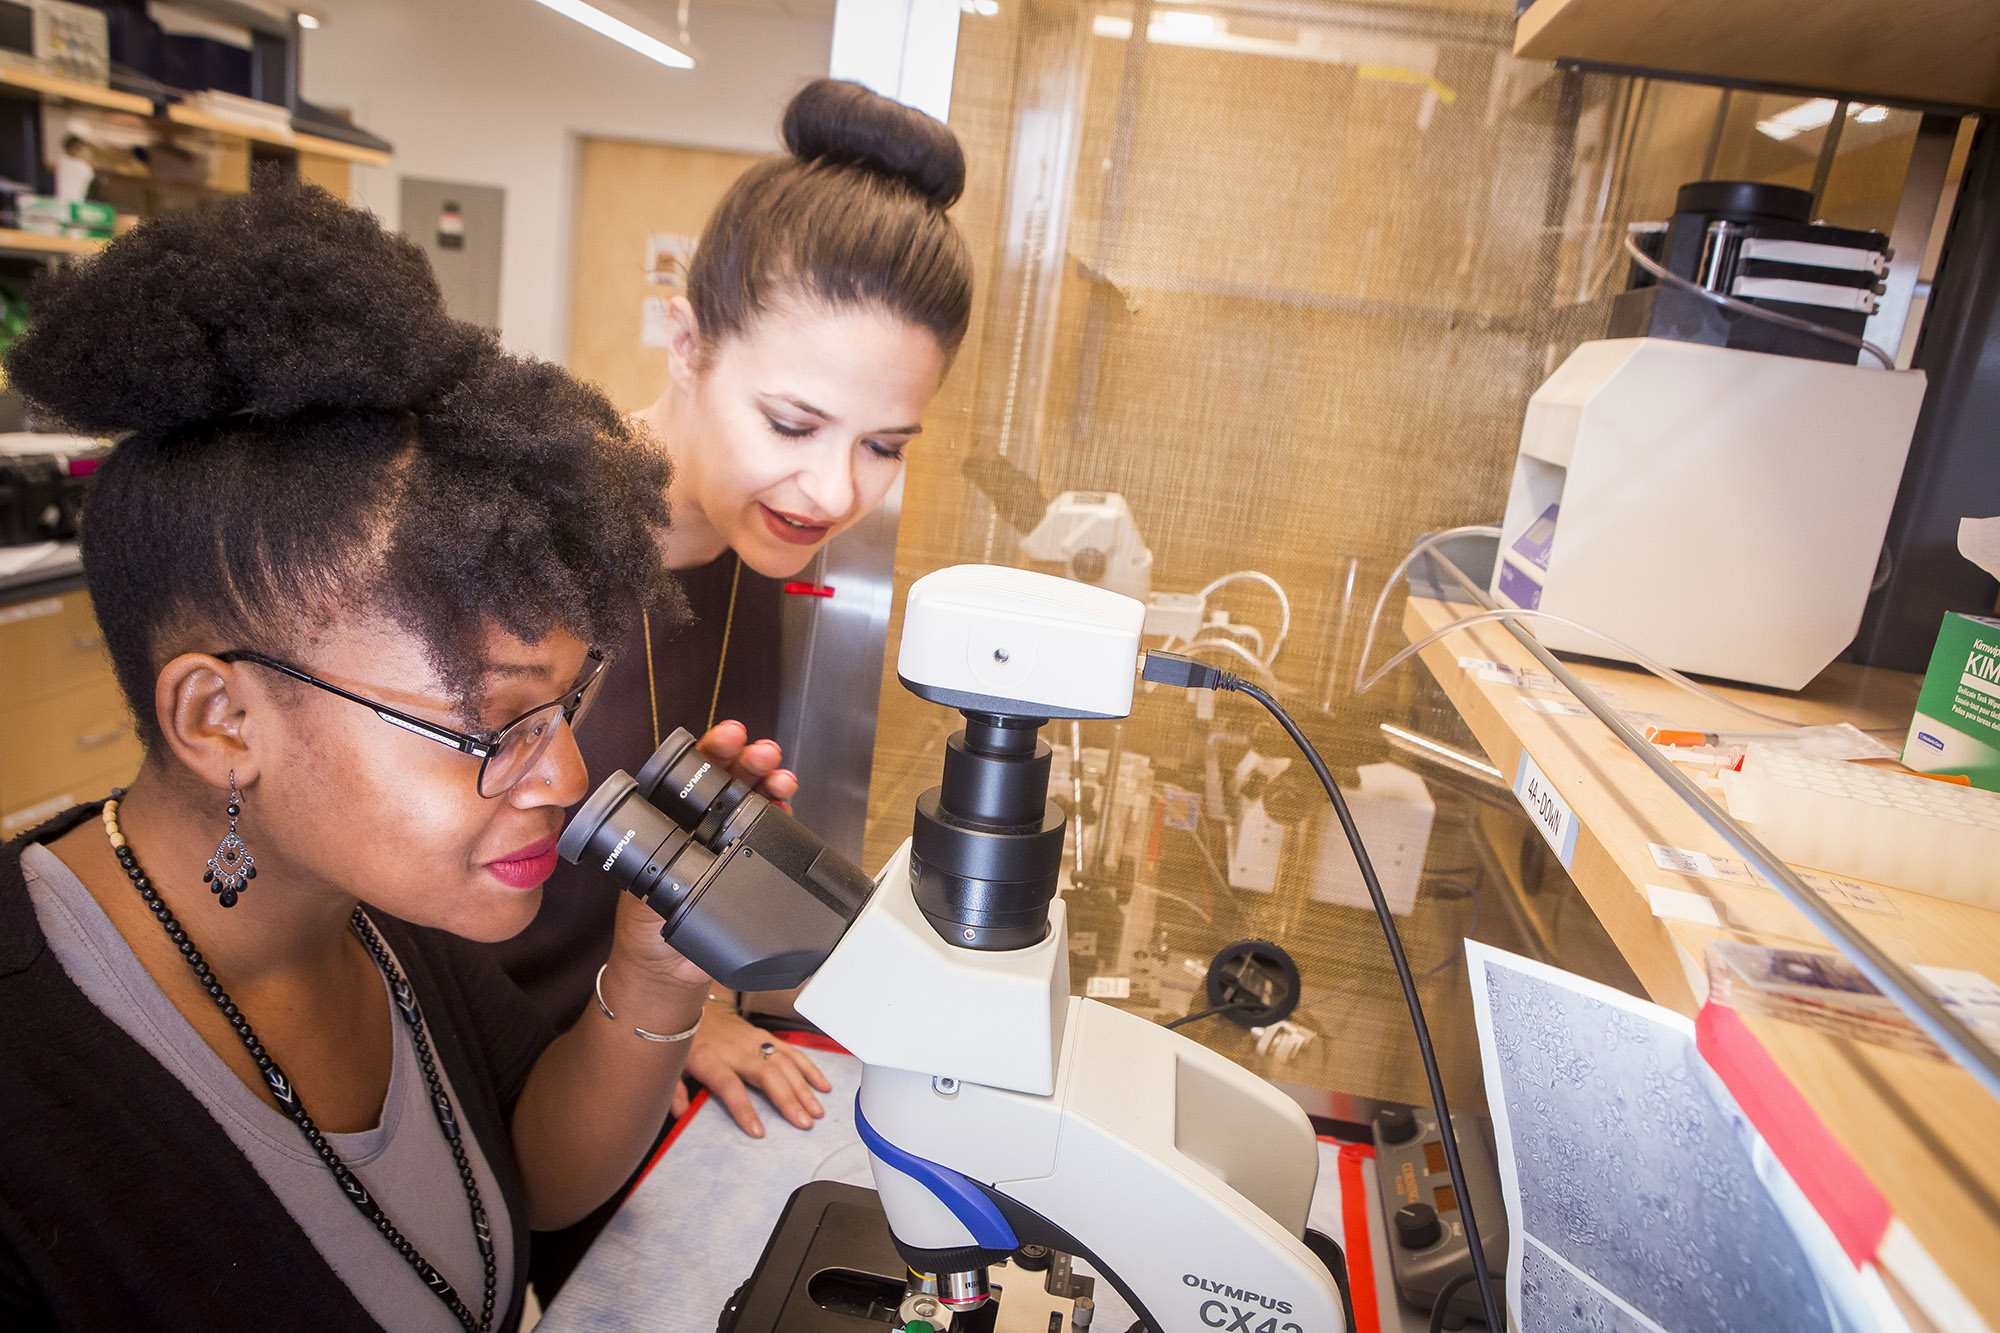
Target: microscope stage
x=830, y=1267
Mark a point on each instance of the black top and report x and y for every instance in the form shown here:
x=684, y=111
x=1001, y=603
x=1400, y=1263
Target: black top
x=556, y=958
x=124, y=1205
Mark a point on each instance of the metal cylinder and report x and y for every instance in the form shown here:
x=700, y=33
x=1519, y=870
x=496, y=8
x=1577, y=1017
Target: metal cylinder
x=963, y=1291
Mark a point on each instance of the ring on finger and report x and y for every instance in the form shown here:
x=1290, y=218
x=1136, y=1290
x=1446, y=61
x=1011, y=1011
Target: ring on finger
x=767, y=1050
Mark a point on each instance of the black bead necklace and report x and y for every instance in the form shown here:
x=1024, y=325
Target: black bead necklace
x=288, y=1100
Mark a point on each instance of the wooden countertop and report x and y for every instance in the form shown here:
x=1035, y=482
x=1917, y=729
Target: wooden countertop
x=1925, y=1132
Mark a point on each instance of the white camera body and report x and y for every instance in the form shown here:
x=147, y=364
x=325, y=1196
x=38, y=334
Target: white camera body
x=1009, y=641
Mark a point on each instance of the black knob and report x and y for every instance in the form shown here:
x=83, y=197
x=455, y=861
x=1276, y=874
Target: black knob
x=1033, y=1258
x=1417, y=1226
x=1396, y=1124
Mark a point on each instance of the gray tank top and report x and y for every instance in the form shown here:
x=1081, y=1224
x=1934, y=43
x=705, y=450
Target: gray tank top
x=403, y=1161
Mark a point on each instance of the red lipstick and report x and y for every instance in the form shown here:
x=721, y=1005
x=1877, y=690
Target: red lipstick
x=792, y=529
x=528, y=867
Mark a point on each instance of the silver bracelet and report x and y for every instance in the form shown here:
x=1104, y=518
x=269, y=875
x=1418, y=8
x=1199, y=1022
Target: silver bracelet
x=598, y=988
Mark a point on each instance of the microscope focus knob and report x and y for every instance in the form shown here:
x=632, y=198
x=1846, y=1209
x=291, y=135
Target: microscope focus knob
x=1417, y=1226
x=1396, y=1124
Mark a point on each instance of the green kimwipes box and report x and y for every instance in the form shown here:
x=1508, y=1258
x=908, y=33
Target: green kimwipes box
x=1957, y=726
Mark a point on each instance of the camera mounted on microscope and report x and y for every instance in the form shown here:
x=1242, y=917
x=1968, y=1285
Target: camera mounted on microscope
x=1011, y=651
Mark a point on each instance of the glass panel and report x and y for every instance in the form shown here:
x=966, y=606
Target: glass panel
x=1283, y=276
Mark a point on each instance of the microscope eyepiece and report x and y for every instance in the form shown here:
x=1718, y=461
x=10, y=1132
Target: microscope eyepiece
x=645, y=853
x=745, y=890
x=696, y=792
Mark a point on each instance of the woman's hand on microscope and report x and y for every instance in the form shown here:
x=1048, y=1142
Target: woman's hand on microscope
x=729, y=744
x=728, y=1056
x=637, y=934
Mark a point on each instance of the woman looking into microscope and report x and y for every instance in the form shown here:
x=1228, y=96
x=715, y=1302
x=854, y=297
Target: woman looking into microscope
x=356, y=570
x=826, y=299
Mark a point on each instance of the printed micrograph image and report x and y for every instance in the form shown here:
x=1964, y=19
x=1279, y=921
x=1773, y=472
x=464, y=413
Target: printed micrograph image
x=1553, y=1297
x=1633, y=1173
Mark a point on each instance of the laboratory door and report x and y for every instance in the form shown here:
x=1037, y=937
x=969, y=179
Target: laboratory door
x=639, y=209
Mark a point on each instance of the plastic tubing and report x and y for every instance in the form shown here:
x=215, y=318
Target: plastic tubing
x=1659, y=669
x=1395, y=576
x=1667, y=275
x=1363, y=684
x=1277, y=589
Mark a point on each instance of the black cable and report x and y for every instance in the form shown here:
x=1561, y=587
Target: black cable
x=1443, y=1302
x=1173, y=669
x=1185, y=1019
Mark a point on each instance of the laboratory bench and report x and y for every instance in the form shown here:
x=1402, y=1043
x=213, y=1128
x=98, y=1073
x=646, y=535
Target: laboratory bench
x=1922, y=1131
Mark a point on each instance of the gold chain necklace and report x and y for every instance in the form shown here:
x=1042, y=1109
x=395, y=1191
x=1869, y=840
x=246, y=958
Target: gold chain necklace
x=721, y=661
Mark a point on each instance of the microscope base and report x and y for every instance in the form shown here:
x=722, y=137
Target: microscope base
x=830, y=1267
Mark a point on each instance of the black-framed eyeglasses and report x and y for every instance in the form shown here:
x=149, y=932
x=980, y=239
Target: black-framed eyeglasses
x=506, y=754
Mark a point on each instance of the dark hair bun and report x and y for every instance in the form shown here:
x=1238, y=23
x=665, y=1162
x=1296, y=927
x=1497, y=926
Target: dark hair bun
x=835, y=121
x=268, y=303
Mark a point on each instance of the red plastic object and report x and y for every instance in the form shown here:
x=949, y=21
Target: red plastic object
x=1835, y=1184
x=808, y=590
x=1354, y=1226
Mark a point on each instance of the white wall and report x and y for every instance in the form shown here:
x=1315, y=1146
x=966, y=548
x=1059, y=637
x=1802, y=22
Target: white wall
x=494, y=92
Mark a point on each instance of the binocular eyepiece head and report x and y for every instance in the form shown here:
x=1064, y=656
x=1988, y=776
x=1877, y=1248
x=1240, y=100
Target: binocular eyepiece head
x=745, y=890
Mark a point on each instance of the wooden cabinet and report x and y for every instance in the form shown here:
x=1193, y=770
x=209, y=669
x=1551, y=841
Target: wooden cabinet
x=65, y=733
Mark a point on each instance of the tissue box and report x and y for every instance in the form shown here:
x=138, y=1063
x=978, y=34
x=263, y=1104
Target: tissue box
x=49, y=216
x=1957, y=726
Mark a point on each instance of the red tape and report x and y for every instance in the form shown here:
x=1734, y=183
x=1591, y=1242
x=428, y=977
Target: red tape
x=1354, y=1234
x=1832, y=1181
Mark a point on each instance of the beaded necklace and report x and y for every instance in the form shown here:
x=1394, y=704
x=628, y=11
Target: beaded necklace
x=288, y=1099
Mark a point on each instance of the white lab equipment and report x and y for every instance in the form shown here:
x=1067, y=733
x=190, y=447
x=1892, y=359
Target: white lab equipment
x=1092, y=535
x=1720, y=510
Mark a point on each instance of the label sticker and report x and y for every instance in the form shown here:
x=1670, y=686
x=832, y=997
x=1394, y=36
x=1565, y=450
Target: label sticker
x=1108, y=988
x=1559, y=707
x=1684, y=905
x=1836, y=889
x=1179, y=809
x=1521, y=678
x=1546, y=808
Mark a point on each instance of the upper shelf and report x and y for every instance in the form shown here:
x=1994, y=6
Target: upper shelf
x=70, y=90
x=304, y=143
x=20, y=80
x=1925, y=52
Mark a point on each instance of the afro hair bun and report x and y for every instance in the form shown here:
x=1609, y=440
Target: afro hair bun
x=844, y=123
x=269, y=303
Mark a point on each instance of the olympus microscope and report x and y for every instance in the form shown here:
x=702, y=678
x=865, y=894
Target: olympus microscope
x=1000, y=1113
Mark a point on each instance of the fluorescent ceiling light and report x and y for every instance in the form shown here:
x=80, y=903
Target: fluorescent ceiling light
x=1177, y=25
x=1798, y=119
x=1412, y=60
x=1804, y=117
x=595, y=19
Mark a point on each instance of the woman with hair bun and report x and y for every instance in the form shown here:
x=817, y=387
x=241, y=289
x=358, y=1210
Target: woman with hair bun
x=827, y=297
x=357, y=571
